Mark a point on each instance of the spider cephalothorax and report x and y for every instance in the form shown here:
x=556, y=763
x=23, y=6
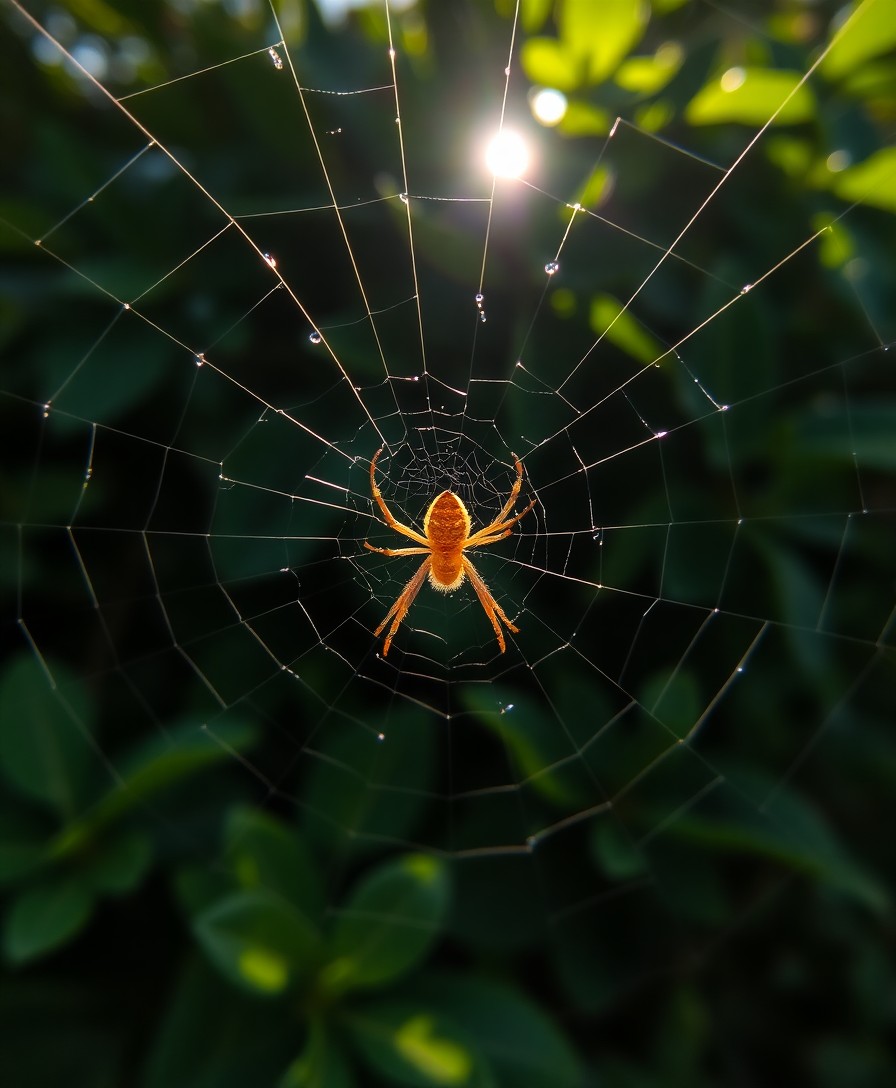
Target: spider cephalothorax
x=445, y=537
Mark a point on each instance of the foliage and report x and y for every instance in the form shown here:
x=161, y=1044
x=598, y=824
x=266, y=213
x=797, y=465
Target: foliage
x=174, y=925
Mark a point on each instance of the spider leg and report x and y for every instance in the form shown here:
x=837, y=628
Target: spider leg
x=388, y=517
x=490, y=606
x=395, y=551
x=498, y=530
x=402, y=603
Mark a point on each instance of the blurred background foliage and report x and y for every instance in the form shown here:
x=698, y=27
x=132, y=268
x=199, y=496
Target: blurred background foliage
x=167, y=920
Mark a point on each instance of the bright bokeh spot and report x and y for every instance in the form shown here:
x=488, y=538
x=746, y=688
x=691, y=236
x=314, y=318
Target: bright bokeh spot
x=732, y=79
x=507, y=156
x=548, y=106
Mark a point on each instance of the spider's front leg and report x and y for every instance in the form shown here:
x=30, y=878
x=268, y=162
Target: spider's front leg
x=396, y=551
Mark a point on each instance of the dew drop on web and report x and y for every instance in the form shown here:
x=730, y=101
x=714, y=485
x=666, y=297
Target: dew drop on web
x=552, y=267
x=276, y=58
x=315, y=338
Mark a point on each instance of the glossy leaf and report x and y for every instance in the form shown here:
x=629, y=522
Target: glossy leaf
x=45, y=917
x=517, y=1038
x=752, y=96
x=389, y=923
x=410, y=1044
x=258, y=940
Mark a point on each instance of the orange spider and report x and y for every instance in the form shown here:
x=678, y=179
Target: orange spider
x=445, y=538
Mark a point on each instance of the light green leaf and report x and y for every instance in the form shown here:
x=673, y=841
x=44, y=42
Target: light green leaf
x=872, y=181
x=621, y=327
x=647, y=75
x=548, y=62
x=869, y=31
x=751, y=96
x=45, y=917
x=258, y=940
x=389, y=923
x=45, y=748
x=602, y=34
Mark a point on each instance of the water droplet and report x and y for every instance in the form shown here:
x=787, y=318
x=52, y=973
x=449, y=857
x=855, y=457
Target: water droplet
x=200, y=359
x=507, y=70
x=381, y=736
x=746, y=288
x=392, y=54
x=315, y=338
x=276, y=58
x=268, y=259
x=46, y=411
x=403, y=197
x=661, y=434
x=552, y=267
x=479, y=300
x=334, y=131
x=127, y=306
x=482, y=316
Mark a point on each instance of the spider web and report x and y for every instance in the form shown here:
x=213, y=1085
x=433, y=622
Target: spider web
x=240, y=273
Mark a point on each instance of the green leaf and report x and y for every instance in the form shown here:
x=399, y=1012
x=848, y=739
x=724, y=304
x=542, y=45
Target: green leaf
x=410, y=1044
x=788, y=829
x=258, y=940
x=601, y=34
x=647, y=75
x=322, y=1064
x=162, y=763
x=548, y=62
x=45, y=747
x=832, y=433
x=43, y=918
x=621, y=327
x=515, y=1036
x=870, y=31
x=120, y=863
x=389, y=923
x=872, y=181
x=533, y=14
x=751, y=96
x=22, y=846
x=265, y=853
x=214, y=1036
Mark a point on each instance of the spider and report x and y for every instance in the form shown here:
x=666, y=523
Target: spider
x=445, y=537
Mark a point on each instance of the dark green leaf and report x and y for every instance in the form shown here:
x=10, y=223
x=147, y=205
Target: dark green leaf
x=120, y=864
x=265, y=853
x=322, y=1064
x=389, y=923
x=516, y=1037
x=411, y=1044
x=45, y=745
x=43, y=918
x=22, y=846
x=258, y=940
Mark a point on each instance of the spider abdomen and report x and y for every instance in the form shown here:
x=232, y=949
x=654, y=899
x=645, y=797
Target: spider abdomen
x=447, y=527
